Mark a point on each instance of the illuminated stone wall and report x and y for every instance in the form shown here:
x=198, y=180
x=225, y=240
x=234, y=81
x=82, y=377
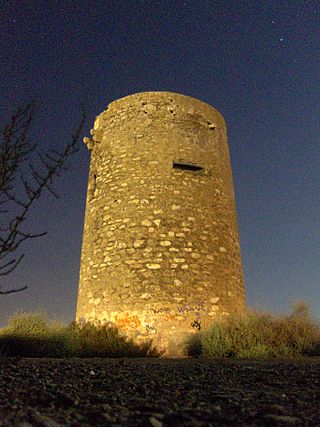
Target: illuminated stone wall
x=160, y=256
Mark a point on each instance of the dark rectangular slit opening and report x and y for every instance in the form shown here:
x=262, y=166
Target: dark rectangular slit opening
x=187, y=166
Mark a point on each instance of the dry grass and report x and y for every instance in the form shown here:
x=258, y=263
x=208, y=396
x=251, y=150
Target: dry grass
x=259, y=335
x=251, y=335
x=32, y=335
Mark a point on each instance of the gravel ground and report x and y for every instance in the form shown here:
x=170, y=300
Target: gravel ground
x=158, y=392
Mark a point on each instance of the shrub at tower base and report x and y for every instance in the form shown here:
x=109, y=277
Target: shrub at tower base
x=248, y=335
x=160, y=254
x=259, y=335
x=32, y=335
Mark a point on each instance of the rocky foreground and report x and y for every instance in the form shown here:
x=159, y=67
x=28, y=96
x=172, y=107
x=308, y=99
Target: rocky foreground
x=158, y=392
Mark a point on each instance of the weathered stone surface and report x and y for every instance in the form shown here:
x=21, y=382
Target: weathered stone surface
x=160, y=220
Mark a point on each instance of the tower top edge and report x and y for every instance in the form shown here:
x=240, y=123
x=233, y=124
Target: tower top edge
x=158, y=95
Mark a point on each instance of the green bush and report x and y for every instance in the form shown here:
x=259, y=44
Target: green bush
x=31, y=335
x=259, y=335
x=90, y=340
x=216, y=343
x=28, y=324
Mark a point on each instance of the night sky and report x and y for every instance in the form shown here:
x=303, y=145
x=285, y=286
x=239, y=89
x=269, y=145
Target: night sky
x=256, y=62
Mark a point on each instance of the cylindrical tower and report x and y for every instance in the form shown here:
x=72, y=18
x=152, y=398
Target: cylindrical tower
x=160, y=255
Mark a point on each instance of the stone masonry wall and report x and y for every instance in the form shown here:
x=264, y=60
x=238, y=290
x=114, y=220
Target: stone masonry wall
x=160, y=256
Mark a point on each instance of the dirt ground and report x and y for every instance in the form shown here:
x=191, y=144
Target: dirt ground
x=159, y=392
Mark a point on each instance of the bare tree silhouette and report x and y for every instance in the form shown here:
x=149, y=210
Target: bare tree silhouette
x=25, y=173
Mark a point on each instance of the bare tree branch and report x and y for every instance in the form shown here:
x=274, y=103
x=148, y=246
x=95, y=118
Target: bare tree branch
x=13, y=290
x=23, y=181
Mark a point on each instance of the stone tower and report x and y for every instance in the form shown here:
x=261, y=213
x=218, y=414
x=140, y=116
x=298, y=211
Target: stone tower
x=160, y=255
